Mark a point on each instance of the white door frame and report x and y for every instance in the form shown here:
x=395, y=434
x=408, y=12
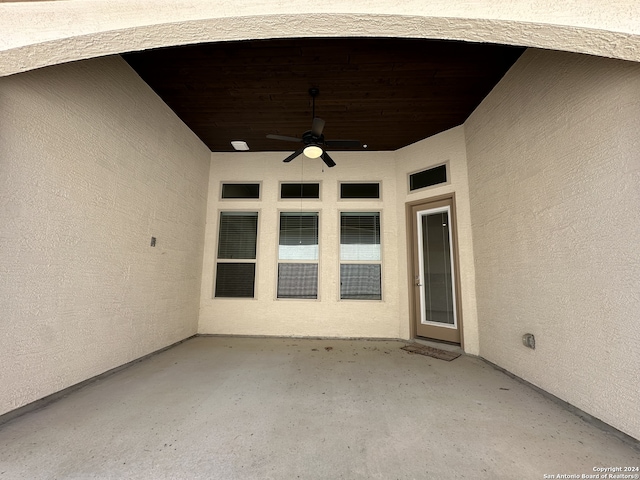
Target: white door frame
x=421, y=279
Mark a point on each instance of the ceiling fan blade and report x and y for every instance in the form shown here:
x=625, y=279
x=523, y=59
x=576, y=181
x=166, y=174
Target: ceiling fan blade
x=343, y=143
x=293, y=155
x=328, y=160
x=285, y=138
x=317, y=126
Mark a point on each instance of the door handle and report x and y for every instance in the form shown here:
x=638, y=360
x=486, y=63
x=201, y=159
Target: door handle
x=418, y=284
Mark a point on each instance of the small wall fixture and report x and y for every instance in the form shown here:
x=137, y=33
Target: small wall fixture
x=240, y=145
x=528, y=340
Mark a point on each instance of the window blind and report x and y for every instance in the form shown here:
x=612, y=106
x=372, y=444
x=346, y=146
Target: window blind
x=238, y=233
x=360, y=282
x=298, y=236
x=298, y=241
x=298, y=280
x=235, y=280
x=360, y=242
x=237, y=238
x=360, y=236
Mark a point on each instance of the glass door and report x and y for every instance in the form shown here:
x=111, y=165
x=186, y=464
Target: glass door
x=436, y=312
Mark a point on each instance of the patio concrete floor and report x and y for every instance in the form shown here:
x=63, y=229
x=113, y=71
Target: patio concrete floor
x=236, y=408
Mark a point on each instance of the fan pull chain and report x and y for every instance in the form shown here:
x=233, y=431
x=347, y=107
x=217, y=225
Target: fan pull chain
x=301, y=185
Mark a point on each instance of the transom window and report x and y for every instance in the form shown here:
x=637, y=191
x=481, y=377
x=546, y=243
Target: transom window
x=359, y=190
x=299, y=190
x=240, y=191
x=428, y=178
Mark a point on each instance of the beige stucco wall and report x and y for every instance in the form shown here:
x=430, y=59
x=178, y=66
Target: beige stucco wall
x=92, y=164
x=554, y=175
x=446, y=147
x=36, y=34
x=329, y=316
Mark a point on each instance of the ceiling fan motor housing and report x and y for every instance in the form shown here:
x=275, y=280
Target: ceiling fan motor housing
x=308, y=138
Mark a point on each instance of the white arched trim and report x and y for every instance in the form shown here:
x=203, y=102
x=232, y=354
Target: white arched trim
x=35, y=40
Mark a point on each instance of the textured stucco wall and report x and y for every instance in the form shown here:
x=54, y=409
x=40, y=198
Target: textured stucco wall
x=92, y=164
x=36, y=34
x=554, y=175
x=448, y=147
x=327, y=316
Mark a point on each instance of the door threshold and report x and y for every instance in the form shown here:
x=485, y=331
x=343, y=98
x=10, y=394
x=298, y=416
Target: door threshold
x=442, y=345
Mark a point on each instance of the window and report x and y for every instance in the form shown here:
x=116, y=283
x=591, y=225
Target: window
x=359, y=190
x=298, y=255
x=360, y=256
x=299, y=190
x=240, y=190
x=429, y=177
x=236, y=265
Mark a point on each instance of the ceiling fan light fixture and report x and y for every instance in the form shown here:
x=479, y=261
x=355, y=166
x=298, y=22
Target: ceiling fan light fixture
x=312, y=151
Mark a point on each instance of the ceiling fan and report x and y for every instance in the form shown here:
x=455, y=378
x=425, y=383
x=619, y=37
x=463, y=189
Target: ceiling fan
x=313, y=140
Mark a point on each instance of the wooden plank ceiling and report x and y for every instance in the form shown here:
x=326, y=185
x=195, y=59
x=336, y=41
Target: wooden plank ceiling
x=387, y=93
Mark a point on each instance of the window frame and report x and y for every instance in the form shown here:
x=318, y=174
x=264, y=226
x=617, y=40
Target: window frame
x=360, y=262
x=217, y=260
x=278, y=261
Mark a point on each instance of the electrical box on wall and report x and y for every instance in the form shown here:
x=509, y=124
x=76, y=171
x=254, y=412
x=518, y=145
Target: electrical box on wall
x=528, y=340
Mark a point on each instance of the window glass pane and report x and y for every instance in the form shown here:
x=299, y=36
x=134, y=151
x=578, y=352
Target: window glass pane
x=240, y=190
x=360, y=282
x=426, y=178
x=300, y=190
x=298, y=236
x=237, y=237
x=359, y=190
x=298, y=280
x=235, y=279
x=360, y=236
x=438, y=289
